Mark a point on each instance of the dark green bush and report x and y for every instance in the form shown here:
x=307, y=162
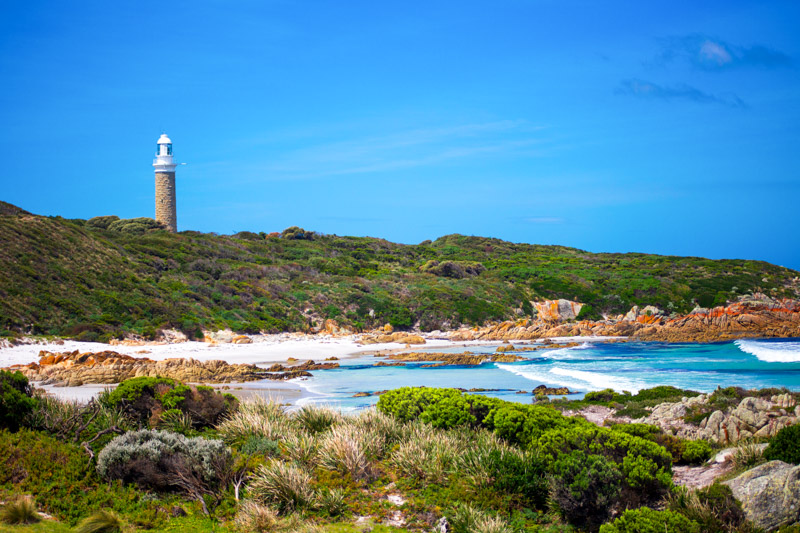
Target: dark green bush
x=584, y=487
x=645, y=466
x=785, y=446
x=646, y=520
x=663, y=392
x=603, y=396
x=101, y=222
x=523, y=476
x=147, y=398
x=16, y=402
x=135, y=226
x=296, y=233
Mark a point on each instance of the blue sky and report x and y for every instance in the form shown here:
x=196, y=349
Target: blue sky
x=664, y=127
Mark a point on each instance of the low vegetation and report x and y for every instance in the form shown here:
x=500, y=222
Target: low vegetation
x=105, y=277
x=423, y=456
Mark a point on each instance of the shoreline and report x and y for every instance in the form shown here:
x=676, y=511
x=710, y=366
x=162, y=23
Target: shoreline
x=265, y=351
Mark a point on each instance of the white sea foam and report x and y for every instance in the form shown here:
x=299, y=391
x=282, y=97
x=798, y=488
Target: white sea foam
x=597, y=380
x=574, y=379
x=540, y=377
x=573, y=352
x=772, y=352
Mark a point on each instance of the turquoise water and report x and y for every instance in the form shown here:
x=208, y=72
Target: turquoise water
x=591, y=366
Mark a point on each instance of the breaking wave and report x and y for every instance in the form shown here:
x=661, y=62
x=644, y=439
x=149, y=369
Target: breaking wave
x=772, y=352
x=574, y=379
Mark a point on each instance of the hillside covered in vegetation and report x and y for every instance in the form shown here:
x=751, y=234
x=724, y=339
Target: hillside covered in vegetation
x=106, y=277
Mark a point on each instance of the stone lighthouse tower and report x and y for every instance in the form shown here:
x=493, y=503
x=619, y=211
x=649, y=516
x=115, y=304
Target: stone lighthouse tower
x=166, y=210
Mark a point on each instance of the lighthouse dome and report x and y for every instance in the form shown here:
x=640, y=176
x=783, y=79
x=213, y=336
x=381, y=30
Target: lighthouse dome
x=164, y=139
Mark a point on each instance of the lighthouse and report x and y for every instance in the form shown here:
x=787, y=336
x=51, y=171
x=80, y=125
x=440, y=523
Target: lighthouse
x=166, y=210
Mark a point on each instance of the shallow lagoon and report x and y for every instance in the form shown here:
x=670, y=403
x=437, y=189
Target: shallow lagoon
x=590, y=366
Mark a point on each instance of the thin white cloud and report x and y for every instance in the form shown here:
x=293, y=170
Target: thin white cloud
x=715, y=52
x=544, y=220
x=403, y=149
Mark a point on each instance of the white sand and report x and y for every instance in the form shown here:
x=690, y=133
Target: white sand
x=265, y=350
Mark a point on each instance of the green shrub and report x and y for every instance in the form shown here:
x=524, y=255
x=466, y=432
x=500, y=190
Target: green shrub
x=520, y=474
x=149, y=398
x=296, y=233
x=448, y=408
x=645, y=431
x=135, y=226
x=56, y=472
x=442, y=408
x=101, y=222
x=646, y=467
x=663, y=393
x=20, y=510
x=258, y=445
x=584, y=487
x=697, y=452
x=646, y=520
x=16, y=402
x=601, y=396
x=785, y=446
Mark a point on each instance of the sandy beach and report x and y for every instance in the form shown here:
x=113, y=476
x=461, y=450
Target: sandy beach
x=264, y=351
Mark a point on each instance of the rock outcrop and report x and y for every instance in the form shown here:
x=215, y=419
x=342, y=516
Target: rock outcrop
x=752, y=417
x=400, y=337
x=770, y=494
x=75, y=368
x=754, y=316
x=450, y=359
x=557, y=310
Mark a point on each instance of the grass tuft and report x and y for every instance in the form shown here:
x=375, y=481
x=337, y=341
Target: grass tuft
x=101, y=522
x=283, y=485
x=21, y=510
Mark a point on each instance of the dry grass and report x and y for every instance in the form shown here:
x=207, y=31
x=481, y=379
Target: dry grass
x=264, y=418
x=347, y=448
x=467, y=519
x=284, y=485
x=747, y=455
x=253, y=516
x=427, y=454
x=302, y=448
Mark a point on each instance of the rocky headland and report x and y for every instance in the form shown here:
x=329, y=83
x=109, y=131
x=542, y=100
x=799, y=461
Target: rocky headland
x=752, y=316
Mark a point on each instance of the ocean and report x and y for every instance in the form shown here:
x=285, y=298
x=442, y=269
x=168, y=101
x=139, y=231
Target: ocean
x=591, y=366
